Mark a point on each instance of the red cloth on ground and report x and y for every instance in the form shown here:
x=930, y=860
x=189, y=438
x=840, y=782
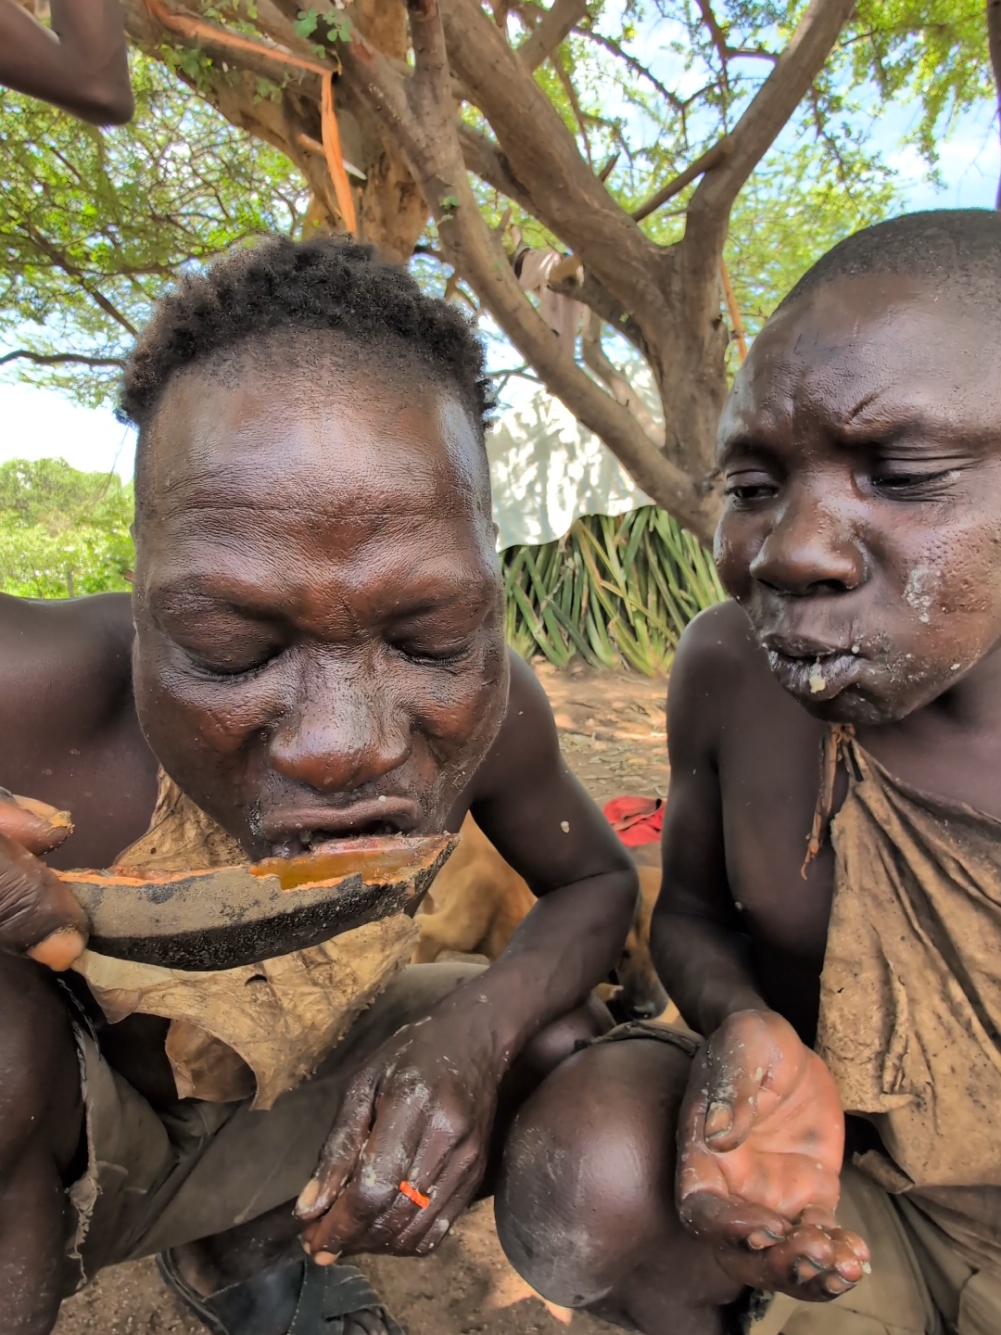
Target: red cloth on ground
x=636, y=820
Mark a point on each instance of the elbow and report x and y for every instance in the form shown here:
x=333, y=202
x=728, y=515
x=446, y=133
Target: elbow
x=105, y=103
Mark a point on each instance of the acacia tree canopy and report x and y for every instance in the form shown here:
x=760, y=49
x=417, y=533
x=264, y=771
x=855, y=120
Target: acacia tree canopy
x=642, y=137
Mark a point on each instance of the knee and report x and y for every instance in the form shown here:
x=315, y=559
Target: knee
x=39, y=1071
x=586, y=1188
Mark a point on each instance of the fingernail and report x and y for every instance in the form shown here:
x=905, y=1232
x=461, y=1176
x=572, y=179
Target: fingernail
x=719, y=1118
x=758, y=1240
x=836, y=1284
x=59, y=949
x=804, y=1269
x=308, y=1196
x=325, y=1258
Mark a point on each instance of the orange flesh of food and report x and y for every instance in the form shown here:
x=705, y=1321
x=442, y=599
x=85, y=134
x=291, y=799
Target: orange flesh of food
x=374, y=859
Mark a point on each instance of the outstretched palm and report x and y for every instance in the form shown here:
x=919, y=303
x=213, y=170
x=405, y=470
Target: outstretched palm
x=761, y=1140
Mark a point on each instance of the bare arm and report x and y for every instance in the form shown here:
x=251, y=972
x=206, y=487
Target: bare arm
x=423, y=1108
x=761, y=1134
x=695, y=939
x=532, y=808
x=80, y=64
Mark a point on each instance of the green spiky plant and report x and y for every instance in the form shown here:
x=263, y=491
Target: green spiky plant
x=613, y=590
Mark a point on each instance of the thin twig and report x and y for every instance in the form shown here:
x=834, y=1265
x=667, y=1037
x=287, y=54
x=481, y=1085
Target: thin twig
x=712, y=158
x=58, y=358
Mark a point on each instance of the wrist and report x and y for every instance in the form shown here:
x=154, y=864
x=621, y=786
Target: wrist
x=736, y=1000
x=478, y=1027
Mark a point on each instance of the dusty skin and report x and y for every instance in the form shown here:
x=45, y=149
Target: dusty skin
x=612, y=732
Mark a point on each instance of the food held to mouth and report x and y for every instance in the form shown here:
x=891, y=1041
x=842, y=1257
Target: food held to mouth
x=229, y=916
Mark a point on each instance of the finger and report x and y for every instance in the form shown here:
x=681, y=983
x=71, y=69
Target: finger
x=851, y=1256
x=451, y=1199
x=343, y=1147
x=39, y=913
x=34, y=825
x=374, y=1184
x=732, y=1221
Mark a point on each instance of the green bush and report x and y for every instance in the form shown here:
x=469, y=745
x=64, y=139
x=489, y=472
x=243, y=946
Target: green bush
x=63, y=532
x=612, y=590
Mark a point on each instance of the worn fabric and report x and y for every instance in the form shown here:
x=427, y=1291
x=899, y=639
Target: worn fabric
x=157, y=1179
x=920, y=1282
x=562, y=314
x=259, y=1029
x=910, y=1012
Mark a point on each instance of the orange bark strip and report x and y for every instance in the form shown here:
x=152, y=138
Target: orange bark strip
x=191, y=27
x=335, y=161
x=734, y=309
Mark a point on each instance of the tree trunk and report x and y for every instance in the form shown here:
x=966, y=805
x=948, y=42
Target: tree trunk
x=398, y=125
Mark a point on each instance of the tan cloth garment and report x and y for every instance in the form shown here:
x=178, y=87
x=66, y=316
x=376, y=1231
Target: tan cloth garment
x=910, y=1011
x=259, y=1029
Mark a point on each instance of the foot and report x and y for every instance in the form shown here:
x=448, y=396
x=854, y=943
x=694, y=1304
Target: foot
x=279, y=1298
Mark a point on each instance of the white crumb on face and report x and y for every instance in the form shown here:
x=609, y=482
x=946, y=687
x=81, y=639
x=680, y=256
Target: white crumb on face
x=565, y=826
x=816, y=678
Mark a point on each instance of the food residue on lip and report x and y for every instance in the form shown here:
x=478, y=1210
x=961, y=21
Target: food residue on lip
x=816, y=678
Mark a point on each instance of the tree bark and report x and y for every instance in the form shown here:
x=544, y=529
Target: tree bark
x=994, y=43
x=399, y=125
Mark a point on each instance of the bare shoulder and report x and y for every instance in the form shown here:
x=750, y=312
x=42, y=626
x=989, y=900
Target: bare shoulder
x=527, y=739
x=65, y=657
x=719, y=672
x=94, y=631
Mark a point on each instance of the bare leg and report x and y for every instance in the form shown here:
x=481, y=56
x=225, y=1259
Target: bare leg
x=585, y=1200
x=41, y=1118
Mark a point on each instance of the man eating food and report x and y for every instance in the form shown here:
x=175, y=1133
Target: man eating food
x=318, y=655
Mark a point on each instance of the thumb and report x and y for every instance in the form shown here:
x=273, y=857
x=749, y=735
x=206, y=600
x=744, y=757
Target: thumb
x=343, y=1148
x=39, y=914
x=738, y=1058
x=35, y=825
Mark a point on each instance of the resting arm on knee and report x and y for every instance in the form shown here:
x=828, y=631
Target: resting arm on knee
x=762, y=1131
x=423, y=1109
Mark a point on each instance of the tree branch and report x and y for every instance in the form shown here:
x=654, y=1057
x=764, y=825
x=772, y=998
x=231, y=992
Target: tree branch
x=420, y=115
x=710, y=159
x=553, y=28
x=994, y=42
x=485, y=160
x=566, y=196
x=718, y=39
x=61, y=262
x=770, y=109
x=622, y=391
x=58, y=358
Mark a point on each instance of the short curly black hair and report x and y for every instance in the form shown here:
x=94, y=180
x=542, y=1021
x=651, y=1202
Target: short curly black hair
x=281, y=287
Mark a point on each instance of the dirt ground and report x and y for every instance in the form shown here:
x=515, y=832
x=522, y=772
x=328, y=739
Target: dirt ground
x=612, y=730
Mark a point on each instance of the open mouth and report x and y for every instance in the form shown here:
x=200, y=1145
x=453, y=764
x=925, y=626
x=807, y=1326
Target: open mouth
x=293, y=833
x=817, y=676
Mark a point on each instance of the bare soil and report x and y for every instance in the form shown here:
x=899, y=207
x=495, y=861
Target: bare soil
x=613, y=734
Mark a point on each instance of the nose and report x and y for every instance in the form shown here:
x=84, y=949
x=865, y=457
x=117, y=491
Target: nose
x=810, y=548
x=342, y=731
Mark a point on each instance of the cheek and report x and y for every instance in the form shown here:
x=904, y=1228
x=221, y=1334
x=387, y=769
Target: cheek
x=460, y=711
x=185, y=716
x=734, y=548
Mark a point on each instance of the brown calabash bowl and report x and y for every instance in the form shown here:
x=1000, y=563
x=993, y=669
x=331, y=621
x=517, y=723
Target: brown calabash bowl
x=229, y=916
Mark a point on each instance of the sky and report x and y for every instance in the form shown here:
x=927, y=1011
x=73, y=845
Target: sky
x=38, y=424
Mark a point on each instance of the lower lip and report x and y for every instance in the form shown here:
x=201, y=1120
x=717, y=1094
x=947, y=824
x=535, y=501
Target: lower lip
x=815, y=680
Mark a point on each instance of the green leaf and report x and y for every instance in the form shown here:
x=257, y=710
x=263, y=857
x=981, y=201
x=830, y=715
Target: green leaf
x=305, y=24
